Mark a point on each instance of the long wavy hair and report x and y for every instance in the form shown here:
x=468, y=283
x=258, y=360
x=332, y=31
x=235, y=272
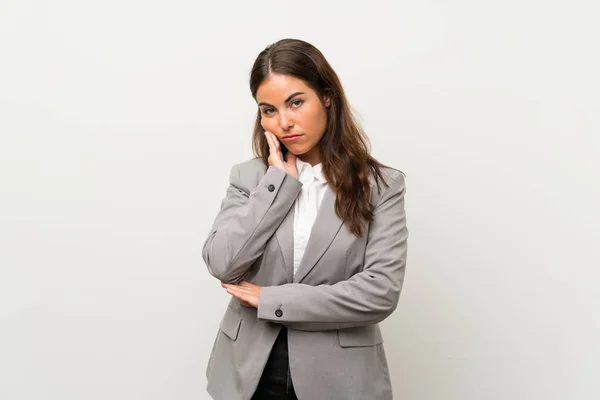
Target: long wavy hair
x=344, y=147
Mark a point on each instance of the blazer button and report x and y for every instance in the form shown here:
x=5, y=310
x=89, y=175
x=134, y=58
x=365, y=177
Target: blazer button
x=278, y=313
x=271, y=188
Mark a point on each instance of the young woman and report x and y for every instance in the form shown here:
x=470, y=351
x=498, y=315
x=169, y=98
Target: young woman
x=310, y=242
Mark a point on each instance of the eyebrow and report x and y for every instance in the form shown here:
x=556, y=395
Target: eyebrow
x=286, y=100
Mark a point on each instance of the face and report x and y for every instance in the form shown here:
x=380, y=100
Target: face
x=293, y=112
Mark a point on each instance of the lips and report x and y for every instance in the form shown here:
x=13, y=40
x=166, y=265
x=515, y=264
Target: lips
x=291, y=137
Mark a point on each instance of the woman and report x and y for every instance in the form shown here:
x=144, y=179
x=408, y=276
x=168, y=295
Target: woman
x=310, y=242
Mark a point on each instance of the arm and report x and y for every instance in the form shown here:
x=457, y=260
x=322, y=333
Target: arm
x=246, y=221
x=369, y=296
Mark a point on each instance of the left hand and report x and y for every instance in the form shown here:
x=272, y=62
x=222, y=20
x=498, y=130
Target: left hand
x=245, y=291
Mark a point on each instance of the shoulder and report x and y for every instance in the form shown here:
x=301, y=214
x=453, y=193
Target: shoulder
x=392, y=175
x=247, y=174
x=391, y=183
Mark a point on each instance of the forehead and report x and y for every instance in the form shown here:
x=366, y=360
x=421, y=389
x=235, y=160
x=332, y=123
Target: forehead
x=276, y=88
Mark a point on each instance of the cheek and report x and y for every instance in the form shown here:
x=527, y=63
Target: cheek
x=317, y=120
x=267, y=124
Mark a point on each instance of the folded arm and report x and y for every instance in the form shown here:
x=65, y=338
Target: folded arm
x=246, y=221
x=369, y=296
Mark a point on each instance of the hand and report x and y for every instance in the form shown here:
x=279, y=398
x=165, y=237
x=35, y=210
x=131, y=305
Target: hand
x=276, y=157
x=245, y=291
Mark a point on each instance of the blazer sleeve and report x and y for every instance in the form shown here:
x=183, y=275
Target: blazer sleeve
x=369, y=296
x=246, y=220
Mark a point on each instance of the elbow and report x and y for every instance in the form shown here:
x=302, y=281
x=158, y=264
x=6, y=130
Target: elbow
x=392, y=293
x=220, y=268
x=384, y=314
x=215, y=263
x=387, y=311
x=388, y=304
x=224, y=273
x=216, y=270
x=228, y=275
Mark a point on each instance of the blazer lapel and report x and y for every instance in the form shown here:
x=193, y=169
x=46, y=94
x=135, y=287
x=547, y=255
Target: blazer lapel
x=326, y=226
x=285, y=237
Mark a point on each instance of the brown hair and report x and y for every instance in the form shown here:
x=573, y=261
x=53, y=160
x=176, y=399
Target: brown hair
x=344, y=146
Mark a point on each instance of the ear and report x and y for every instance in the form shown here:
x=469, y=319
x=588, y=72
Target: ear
x=327, y=101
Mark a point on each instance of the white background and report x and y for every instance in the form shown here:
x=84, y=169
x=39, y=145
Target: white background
x=120, y=121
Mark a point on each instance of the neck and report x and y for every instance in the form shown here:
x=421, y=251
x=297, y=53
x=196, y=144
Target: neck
x=312, y=157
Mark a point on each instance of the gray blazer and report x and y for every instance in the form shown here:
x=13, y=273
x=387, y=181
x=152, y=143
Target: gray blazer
x=344, y=286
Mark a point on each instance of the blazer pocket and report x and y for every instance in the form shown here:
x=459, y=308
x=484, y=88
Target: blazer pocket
x=360, y=336
x=230, y=323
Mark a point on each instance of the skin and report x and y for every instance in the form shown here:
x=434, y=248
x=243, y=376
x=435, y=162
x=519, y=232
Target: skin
x=288, y=106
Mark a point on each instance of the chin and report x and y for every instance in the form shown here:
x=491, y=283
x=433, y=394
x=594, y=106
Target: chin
x=297, y=152
x=294, y=150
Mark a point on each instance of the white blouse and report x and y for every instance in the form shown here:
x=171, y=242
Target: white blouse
x=306, y=205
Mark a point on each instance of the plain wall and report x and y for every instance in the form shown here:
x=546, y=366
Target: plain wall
x=120, y=121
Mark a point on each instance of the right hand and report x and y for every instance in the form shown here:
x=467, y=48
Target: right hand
x=276, y=157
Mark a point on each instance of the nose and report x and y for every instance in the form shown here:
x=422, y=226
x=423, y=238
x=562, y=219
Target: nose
x=285, y=122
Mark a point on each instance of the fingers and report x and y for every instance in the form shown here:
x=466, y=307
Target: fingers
x=232, y=290
x=240, y=293
x=274, y=145
x=272, y=139
x=276, y=142
x=272, y=148
x=272, y=151
x=247, y=292
x=237, y=289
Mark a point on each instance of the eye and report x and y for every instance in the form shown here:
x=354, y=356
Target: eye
x=267, y=111
x=297, y=103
